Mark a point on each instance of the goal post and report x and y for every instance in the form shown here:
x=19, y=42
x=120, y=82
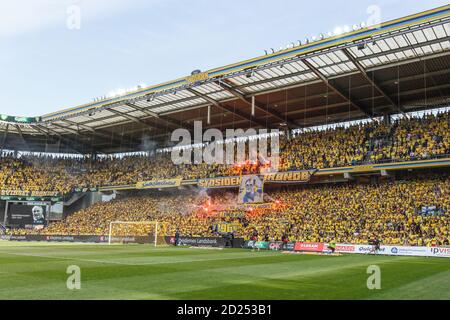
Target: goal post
x=121, y=230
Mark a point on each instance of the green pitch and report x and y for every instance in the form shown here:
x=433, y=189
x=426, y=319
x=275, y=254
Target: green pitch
x=38, y=271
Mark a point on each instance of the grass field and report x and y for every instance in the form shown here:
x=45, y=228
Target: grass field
x=38, y=271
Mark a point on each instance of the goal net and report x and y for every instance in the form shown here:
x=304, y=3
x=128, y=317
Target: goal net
x=134, y=232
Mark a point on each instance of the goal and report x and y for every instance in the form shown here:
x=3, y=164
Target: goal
x=133, y=232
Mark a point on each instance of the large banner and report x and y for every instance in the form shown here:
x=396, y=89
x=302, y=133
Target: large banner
x=27, y=214
x=251, y=190
x=442, y=252
x=81, y=239
x=7, y=118
x=279, y=177
x=288, y=177
x=22, y=193
x=226, y=227
x=225, y=182
x=438, y=252
x=159, y=184
x=273, y=245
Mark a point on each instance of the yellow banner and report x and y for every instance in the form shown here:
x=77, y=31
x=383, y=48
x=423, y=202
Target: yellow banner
x=260, y=205
x=29, y=193
x=159, y=184
x=285, y=177
x=280, y=177
x=220, y=182
x=197, y=77
x=227, y=227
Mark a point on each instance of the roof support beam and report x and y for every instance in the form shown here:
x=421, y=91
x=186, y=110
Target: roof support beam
x=176, y=124
x=251, y=84
x=4, y=139
x=229, y=87
x=41, y=130
x=415, y=91
x=99, y=133
x=402, y=49
x=75, y=132
x=132, y=118
x=69, y=143
x=21, y=137
x=144, y=110
x=371, y=81
x=168, y=121
x=164, y=104
x=403, y=79
x=335, y=89
x=239, y=113
x=71, y=123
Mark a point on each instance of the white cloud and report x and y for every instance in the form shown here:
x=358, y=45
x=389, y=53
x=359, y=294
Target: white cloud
x=25, y=16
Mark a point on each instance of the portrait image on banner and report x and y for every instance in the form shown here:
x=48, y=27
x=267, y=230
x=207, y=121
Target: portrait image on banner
x=38, y=215
x=251, y=189
x=22, y=214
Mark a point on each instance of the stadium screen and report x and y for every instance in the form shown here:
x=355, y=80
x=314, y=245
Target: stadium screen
x=27, y=214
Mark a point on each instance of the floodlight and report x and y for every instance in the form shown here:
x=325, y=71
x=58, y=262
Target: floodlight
x=338, y=31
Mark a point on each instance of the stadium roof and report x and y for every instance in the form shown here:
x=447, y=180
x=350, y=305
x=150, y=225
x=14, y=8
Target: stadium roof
x=398, y=67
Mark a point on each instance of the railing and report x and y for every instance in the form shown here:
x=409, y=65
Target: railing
x=383, y=161
x=434, y=157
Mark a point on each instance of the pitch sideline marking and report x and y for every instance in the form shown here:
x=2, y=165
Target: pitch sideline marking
x=125, y=263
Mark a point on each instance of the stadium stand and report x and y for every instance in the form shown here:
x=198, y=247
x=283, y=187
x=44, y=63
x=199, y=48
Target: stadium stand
x=364, y=114
x=405, y=140
x=348, y=213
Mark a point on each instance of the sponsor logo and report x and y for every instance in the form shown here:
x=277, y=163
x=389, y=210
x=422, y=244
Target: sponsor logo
x=290, y=246
x=60, y=238
x=370, y=248
x=262, y=245
x=394, y=250
x=191, y=241
x=309, y=246
x=158, y=184
x=439, y=251
x=275, y=245
x=18, y=238
x=345, y=248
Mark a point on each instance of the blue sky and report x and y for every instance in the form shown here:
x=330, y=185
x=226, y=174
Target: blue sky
x=45, y=66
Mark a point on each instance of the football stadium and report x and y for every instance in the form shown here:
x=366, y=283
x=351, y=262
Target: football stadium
x=319, y=170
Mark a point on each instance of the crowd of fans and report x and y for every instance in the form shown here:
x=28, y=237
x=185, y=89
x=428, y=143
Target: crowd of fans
x=403, y=140
x=392, y=211
x=33, y=174
x=326, y=149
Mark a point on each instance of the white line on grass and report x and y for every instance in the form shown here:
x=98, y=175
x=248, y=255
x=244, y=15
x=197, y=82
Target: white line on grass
x=128, y=263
